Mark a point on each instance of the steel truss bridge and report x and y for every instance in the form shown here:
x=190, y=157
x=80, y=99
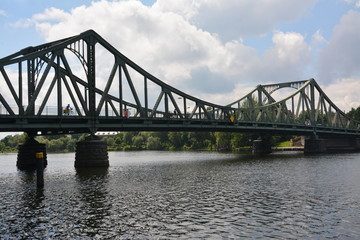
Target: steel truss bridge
x=109, y=92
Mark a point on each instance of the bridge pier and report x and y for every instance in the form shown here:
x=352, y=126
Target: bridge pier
x=26, y=158
x=342, y=144
x=357, y=143
x=92, y=152
x=261, y=146
x=314, y=145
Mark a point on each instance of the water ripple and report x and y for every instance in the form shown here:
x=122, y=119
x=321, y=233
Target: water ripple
x=195, y=196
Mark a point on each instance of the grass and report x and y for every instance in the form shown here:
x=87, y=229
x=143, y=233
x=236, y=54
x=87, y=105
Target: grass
x=284, y=144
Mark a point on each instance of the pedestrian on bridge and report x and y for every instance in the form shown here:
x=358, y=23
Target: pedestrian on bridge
x=67, y=109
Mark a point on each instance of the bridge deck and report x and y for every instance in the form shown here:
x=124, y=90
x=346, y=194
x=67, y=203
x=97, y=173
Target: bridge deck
x=74, y=124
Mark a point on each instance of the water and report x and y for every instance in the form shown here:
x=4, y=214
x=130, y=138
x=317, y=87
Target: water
x=184, y=195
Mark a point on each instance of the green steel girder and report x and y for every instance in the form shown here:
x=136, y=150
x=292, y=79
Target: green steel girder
x=51, y=72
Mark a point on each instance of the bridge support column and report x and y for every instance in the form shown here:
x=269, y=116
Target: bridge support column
x=357, y=143
x=26, y=159
x=92, y=152
x=314, y=145
x=261, y=146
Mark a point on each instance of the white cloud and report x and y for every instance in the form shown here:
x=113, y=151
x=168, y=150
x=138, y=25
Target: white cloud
x=237, y=19
x=23, y=23
x=176, y=50
x=344, y=93
x=356, y=2
x=2, y=12
x=290, y=47
x=51, y=14
x=285, y=61
x=317, y=38
x=340, y=59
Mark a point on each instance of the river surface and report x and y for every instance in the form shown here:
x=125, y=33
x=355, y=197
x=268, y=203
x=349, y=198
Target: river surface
x=184, y=195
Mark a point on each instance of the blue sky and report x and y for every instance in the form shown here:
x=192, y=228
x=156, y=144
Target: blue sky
x=16, y=38
x=216, y=49
x=323, y=16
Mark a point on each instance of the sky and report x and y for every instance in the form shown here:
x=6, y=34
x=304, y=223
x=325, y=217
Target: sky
x=216, y=50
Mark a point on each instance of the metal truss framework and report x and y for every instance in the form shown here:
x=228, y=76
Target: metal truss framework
x=37, y=82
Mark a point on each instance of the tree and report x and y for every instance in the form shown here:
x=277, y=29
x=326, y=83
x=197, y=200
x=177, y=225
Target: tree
x=56, y=145
x=354, y=113
x=2, y=147
x=153, y=143
x=138, y=141
x=199, y=140
x=128, y=138
x=71, y=145
x=176, y=139
x=223, y=141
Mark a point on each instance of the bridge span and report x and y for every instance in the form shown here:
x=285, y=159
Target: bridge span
x=109, y=92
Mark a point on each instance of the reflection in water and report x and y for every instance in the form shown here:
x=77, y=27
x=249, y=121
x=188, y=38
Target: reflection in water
x=162, y=195
x=86, y=174
x=95, y=205
x=27, y=176
x=23, y=207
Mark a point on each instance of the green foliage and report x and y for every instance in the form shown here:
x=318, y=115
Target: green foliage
x=153, y=143
x=223, y=141
x=354, y=114
x=176, y=139
x=138, y=142
x=284, y=144
x=14, y=141
x=2, y=147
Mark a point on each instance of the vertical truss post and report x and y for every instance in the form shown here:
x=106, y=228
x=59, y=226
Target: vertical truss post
x=31, y=86
x=59, y=95
x=166, y=104
x=106, y=109
x=120, y=92
x=20, y=103
x=312, y=103
x=260, y=97
x=303, y=97
x=146, y=96
x=185, y=114
x=86, y=97
x=293, y=108
x=91, y=80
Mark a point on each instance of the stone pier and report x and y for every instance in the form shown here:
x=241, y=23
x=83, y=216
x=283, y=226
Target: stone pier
x=342, y=144
x=92, y=152
x=357, y=144
x=261, y=146
x=314, y=145
x=26, y=159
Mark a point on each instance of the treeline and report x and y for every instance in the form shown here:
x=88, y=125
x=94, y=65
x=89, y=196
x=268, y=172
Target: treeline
x=354, y=113
x=182, y=141
x=146, y=141
x=58, y=143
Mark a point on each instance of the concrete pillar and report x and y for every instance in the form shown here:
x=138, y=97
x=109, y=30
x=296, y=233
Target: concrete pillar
x=357, y=143
x=261, y=146
x=314, y=145
x=92, y=152
x=26, y=159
